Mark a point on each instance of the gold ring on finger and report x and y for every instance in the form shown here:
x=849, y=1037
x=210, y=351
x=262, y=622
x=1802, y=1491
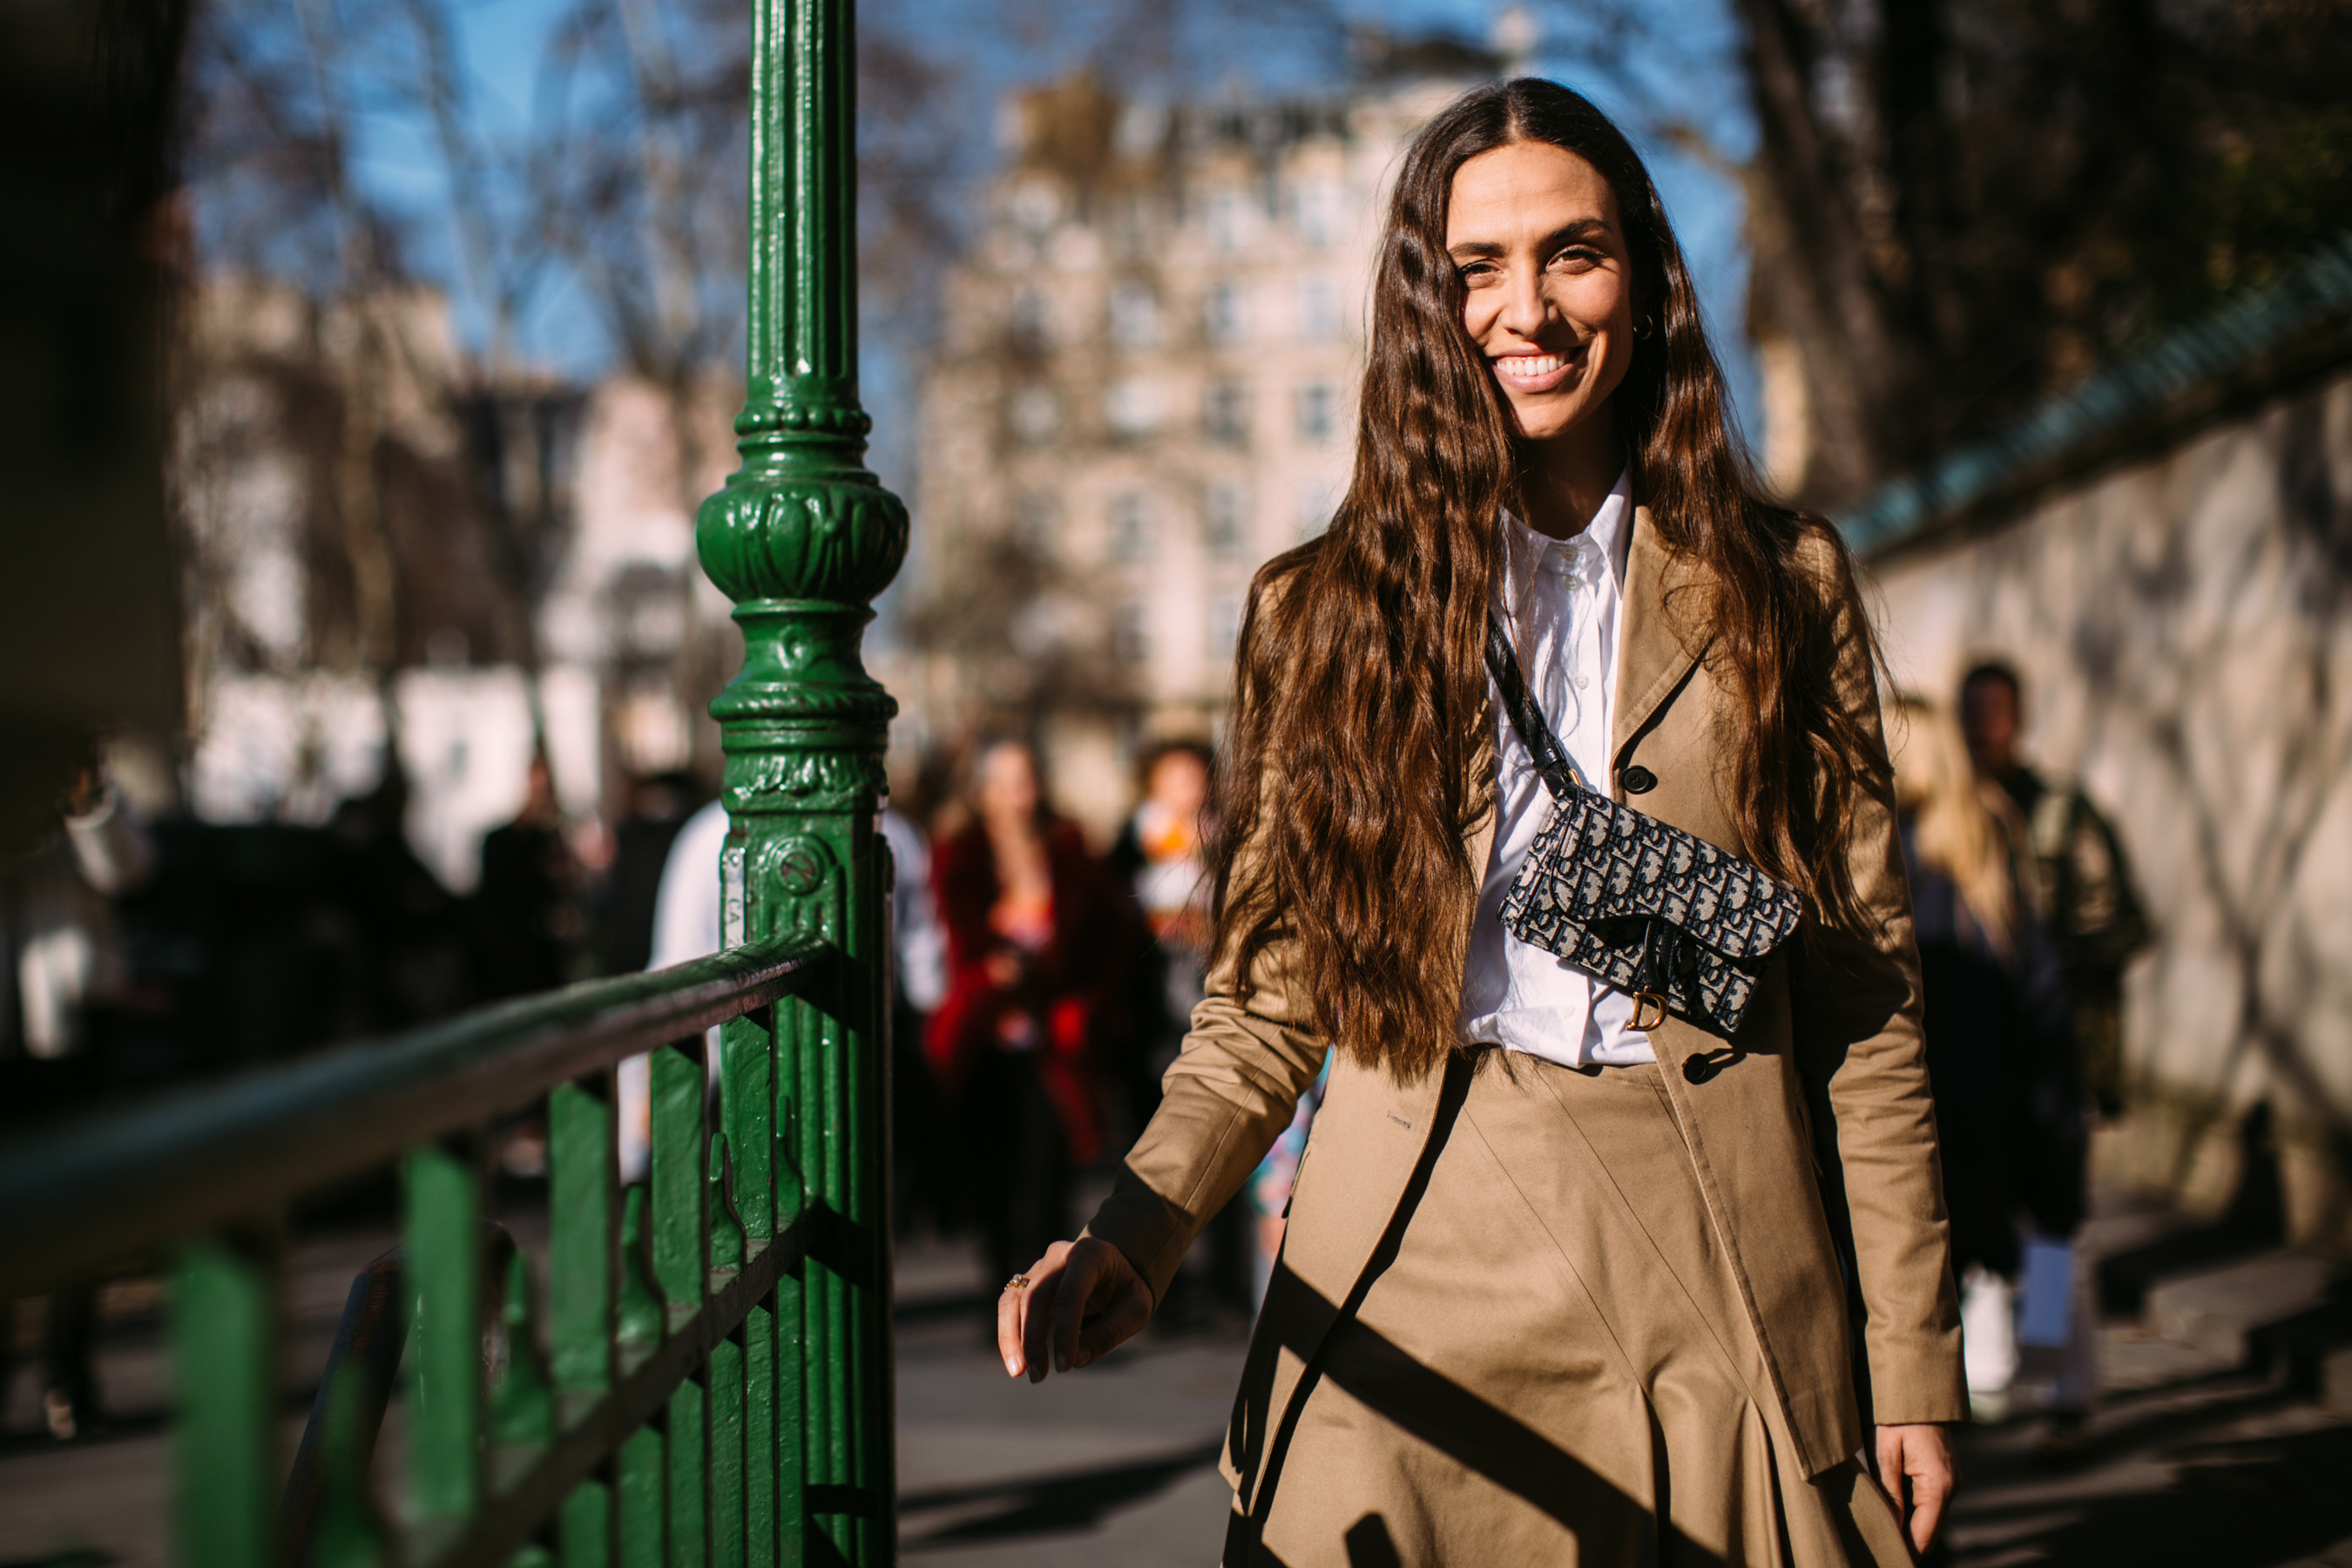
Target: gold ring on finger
x=1018, y=1282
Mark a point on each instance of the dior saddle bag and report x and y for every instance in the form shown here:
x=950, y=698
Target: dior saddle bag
x=1663, y=916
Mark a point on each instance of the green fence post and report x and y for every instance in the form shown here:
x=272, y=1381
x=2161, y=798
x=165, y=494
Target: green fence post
x=442, y=1230
x=222, y=1318
x=801, y=538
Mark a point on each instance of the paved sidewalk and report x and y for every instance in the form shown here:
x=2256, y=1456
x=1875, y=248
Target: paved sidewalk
x=2212, y=1447
x=1113, y=1465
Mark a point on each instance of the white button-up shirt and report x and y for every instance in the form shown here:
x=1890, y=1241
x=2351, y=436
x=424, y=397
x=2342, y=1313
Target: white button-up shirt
x=1563, y=601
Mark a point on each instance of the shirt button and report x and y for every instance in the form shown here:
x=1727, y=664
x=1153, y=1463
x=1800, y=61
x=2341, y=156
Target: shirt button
x=1582, y=682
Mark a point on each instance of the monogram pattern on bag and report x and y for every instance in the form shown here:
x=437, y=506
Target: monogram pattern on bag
x=1643, y=906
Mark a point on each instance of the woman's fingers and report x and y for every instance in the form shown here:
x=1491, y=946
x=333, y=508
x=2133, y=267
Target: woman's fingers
x=1916, y=1465
x=1082, y=1301
x=1101, y=1302
x=1128, y=1309
x=1010, y=1304
x=1020, y=1310
x=1049, y=1282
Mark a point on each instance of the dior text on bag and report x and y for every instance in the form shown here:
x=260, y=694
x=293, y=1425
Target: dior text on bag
x=1662, y=915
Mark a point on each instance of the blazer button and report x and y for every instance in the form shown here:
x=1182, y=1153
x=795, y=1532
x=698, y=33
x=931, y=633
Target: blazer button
x=1638, y=780
x=1698, y=1069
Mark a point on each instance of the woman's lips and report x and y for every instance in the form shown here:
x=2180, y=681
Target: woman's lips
x=1537, y=373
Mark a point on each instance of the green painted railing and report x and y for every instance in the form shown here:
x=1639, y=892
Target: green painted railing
x=708, y=1384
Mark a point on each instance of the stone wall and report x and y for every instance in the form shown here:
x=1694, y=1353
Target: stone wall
x=2184, y=627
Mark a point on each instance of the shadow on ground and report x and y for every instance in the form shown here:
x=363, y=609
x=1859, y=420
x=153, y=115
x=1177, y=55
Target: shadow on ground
x=1074, y=1500
x=2259, y=1502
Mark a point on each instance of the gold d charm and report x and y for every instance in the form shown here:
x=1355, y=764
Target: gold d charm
x=1655, y=1003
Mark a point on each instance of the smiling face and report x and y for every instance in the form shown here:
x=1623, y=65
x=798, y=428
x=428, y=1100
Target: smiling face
x=1546, y=281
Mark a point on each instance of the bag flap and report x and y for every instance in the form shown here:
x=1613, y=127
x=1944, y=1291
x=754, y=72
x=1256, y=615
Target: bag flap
x=1603, y=861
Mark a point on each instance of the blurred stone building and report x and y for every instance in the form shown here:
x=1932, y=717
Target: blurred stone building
x=1145, y=388
x=374, y=545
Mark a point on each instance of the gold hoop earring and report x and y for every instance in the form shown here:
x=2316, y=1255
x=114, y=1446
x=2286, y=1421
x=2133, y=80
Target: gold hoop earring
x=1644, y=327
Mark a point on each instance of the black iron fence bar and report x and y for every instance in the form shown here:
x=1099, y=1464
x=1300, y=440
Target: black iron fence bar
x=115, y=1186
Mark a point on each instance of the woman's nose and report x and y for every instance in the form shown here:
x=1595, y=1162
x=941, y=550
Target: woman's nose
x=1523, y=304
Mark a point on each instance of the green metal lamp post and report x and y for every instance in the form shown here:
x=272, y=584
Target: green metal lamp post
x=802, y=538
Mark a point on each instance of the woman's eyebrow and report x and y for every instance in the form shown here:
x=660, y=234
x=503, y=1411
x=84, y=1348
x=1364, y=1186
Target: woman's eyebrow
x=1581, y=228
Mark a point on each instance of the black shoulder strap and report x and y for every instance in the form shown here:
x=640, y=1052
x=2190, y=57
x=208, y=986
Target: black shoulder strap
x=1550, y=758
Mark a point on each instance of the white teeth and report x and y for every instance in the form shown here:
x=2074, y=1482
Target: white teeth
x=1529, y=364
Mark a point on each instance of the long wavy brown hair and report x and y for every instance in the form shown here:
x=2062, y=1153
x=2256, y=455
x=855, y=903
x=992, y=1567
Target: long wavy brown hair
x=1360, y=710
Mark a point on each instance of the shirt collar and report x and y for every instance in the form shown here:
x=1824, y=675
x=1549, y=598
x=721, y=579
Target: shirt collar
x=1611, y=529
x=1610, y=532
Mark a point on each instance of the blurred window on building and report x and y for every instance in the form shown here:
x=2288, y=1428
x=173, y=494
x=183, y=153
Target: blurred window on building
x=1036, y=414
x=1026, y=321
x=1134, y=315
x=1225, y=518
x=1226, y=213
x=1037, y=519
x=1314, y=207
x=1227, y=413
x=1132, y=407
x=1130, y=526
x=1143, y=126
x=1311, y=502
x=1221, y=312
x=1131, y=226
x=1034, y=206
x=1318, y=310
x=1130, y=640
x=1224, y=624
x=1317, y=412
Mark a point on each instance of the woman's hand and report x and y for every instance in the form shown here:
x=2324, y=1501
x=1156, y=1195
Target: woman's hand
x=1083, y=1300
x=1914, y=1465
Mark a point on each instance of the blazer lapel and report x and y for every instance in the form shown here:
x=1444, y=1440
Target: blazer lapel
x=1663, y=635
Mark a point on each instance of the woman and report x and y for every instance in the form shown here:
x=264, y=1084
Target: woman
x=1999, y=1041
x=1037, y=950
x=1560, y=1282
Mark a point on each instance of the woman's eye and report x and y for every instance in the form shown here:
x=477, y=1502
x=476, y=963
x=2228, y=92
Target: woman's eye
x=1578, y=259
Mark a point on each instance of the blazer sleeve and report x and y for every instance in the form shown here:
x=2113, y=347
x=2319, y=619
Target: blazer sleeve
x=1857, y=1011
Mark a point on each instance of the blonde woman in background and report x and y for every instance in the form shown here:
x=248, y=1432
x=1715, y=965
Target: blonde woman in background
x=2000, y=1042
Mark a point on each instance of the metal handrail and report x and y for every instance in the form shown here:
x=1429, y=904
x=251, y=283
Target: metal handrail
x=117, y=1184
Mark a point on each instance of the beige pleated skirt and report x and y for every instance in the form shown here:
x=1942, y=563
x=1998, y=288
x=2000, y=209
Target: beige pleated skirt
x=1555, y=1368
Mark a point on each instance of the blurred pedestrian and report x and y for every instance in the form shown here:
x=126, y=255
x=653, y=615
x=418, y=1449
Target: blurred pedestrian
x=527, y=907
x=658, y=806
x=1162, y=856
x=1039, y=940
x=63, y=962
x=419, y=949
x=58, y=929
x=2082, y=881
x=1999, y=1034
x=688, y=923
x=926, y=1179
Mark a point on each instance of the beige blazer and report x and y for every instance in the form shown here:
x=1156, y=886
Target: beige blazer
x=1813, y=1134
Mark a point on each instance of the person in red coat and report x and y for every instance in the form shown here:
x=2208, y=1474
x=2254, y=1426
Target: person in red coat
x=1038, y=944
